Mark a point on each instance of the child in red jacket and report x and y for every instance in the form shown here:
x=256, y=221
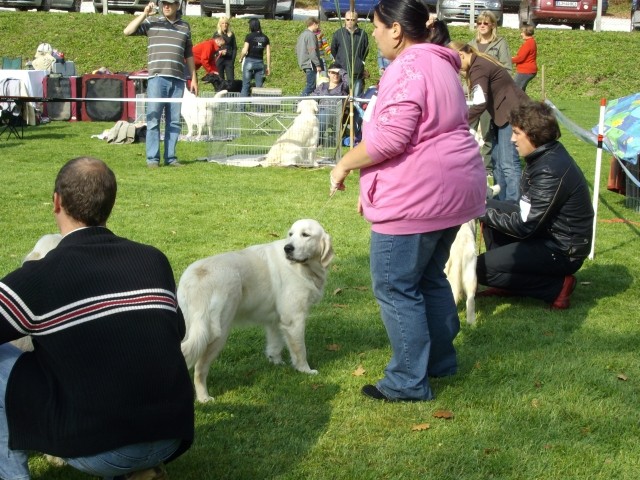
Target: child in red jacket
x=525, y=60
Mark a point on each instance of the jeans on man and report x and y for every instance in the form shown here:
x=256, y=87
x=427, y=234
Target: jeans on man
x=417, y=309
x=251, y=69
x=310, y=85
x=506, y=164
x=163, y=87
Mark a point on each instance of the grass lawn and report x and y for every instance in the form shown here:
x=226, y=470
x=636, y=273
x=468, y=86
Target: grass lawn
x=540, y=394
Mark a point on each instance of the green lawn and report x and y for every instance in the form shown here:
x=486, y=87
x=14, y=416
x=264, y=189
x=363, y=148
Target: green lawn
x=540, y=394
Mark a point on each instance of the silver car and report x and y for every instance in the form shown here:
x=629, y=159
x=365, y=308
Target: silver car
x=268, y=8
x=460, y=10
x=42, y=5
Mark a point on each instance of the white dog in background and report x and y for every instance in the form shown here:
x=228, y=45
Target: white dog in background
x=198, y=112
x=298, y=144
x=44, y=245
x=461, y=268
x=272, y=284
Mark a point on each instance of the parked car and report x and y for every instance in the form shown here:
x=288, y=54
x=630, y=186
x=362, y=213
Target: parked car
x=42, y=5
x=460, y=10
x=574, y=13
x=269, y=8
x=635, y=15
x=336, y=9
x=128, y=6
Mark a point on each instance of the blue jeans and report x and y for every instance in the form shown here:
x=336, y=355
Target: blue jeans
x=13, y=463
x=252, y=68
x=523, y=79
x=163, y=87
x=310, y=86
x=417, y=308
x=506, y=164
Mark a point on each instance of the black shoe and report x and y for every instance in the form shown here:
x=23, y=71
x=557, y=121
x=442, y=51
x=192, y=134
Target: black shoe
x=372, y=391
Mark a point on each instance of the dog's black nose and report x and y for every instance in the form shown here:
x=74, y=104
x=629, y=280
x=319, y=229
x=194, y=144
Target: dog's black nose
x=288, y=248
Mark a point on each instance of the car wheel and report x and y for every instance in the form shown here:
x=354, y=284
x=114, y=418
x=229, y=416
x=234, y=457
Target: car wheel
x=25, y=9
x=45, y=7
x=588, y=26
x=438, y=11
x=501, y=21
x=322, y=15
x=270, y=12
x=204, y=13
x=76, y=6
x=524, y=15
x=575, y=26
x=289, y=14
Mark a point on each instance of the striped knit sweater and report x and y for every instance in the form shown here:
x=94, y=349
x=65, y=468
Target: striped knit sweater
x=107, y=369
x=169, y=45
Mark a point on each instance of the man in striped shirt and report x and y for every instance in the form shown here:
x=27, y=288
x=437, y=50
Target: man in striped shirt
x=169, y=48
x=105, y=387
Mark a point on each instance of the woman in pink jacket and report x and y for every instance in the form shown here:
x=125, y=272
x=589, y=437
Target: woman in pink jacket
x=421, y=178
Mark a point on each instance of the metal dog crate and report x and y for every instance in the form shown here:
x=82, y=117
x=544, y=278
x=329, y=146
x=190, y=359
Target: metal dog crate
x=632, y=197
x=249, y=126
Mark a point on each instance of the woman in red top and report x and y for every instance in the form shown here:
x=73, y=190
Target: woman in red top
x=206, y=53
x=525, y=60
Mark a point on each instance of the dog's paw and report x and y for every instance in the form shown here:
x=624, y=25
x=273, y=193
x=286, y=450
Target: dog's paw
x=205, y=399
x=56, y=461
x=275, y=359
x=307, y=370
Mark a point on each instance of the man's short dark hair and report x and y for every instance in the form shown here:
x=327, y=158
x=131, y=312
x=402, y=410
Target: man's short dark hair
x=537, y=121
x=87, y=188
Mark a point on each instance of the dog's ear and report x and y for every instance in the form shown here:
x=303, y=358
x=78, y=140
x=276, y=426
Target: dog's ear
x=326, y=254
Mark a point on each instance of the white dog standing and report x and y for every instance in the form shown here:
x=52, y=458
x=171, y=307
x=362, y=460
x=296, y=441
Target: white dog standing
x=198, y=112
x=298, y=144
x=272, y=284
x=461, y=268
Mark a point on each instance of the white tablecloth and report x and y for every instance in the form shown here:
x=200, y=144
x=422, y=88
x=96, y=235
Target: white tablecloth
x=31, y=86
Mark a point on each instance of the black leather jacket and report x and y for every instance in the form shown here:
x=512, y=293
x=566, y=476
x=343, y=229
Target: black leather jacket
x=555, y=204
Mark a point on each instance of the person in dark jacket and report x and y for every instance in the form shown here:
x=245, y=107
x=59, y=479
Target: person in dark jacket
x=350, y=47
x=106, y=386
x=491, y=88
x=534, y=247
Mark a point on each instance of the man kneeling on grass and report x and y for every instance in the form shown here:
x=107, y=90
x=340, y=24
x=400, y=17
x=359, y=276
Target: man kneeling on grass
x=535, y=246
x=106, y=387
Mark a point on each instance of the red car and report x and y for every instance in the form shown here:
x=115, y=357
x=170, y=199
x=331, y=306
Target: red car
x=574, y=13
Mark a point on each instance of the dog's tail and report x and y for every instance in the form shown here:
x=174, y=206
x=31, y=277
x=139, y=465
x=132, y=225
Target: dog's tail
x=196, y=339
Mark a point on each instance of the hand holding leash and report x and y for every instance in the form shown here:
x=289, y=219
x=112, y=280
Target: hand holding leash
x=336, y=178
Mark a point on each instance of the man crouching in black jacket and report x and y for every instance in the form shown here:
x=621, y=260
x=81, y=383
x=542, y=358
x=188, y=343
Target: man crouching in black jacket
x=534, y=247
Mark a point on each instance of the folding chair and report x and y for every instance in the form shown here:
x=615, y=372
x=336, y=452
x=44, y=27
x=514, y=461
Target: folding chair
x=12, y=63
x=10, y=120
x=10, y=110
x=266, y=116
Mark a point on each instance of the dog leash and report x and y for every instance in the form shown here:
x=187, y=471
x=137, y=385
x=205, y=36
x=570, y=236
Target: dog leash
x=323, y=208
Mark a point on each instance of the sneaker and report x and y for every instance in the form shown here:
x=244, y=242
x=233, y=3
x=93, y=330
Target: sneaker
x=153, y=165
x=175, y=164
x=562, y=300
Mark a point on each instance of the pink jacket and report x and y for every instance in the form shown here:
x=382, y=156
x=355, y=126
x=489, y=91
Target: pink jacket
x=428, y=173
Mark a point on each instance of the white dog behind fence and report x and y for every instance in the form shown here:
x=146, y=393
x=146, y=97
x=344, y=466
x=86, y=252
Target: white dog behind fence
x=298, y=144
x=198, y=112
